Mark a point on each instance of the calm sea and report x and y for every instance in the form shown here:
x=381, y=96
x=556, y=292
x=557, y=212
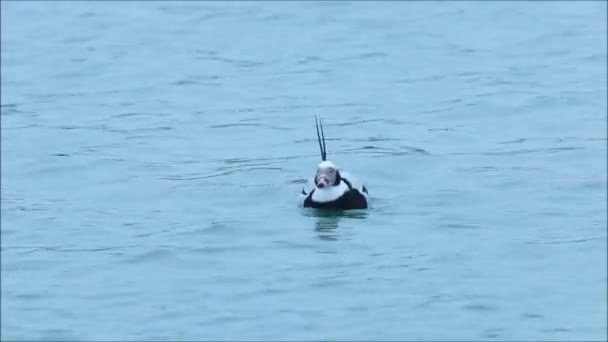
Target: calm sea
x=152, y=153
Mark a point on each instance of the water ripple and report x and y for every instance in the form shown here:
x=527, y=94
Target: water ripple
x=153, y=152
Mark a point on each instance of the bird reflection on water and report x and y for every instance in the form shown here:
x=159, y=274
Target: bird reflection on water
x=328, y=221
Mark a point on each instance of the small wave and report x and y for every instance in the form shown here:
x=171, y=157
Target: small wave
x=363, y=121
x=185, y=82
x=478, y=169
x=569, y=241
x=217, y=174
x=460, y=226
x=236, y=125
x=35, y=249
x=137, y=114
x=518, y=152
x=152, y=256
x=526, y=151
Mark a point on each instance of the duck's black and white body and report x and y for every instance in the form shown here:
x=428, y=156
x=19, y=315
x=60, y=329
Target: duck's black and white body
x=331, y=188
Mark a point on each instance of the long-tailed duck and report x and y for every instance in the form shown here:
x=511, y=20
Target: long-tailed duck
x=332, y=188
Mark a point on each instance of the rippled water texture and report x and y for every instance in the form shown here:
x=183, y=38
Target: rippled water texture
x=152, y=153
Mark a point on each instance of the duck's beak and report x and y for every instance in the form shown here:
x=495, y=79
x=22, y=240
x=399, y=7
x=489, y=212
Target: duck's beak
x=322, y=180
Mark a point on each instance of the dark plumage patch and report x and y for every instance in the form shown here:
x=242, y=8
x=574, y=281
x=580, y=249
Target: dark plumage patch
x=352, y=199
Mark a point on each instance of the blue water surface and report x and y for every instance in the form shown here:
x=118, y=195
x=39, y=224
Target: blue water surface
x=152, y=154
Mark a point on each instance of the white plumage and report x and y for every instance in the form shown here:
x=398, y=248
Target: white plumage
x=328, y=194
x=331, y=188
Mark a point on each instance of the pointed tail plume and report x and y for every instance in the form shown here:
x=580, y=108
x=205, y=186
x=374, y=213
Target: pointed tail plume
x=321, y=138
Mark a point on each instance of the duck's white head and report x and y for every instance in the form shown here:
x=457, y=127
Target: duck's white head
x=327, y=172
x=327, y=175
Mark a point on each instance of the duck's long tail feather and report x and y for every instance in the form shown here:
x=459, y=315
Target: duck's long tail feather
x=321, y=138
